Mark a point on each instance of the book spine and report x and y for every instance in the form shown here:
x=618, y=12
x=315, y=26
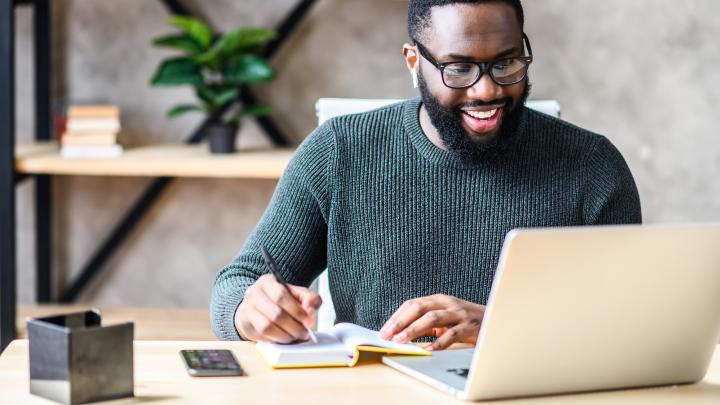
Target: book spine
x=91, y=151
x=97, y=111
x=93, y=125
x=90, y=140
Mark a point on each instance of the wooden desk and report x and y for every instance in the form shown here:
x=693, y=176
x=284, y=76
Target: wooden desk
x=161, y=378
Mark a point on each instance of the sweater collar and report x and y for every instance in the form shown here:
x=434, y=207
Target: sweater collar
x=411, y=118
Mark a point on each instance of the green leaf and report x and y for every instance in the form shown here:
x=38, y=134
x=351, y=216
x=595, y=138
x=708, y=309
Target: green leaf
x=182, y=109
x=182, y=42
x=254, y=111
x=225, y=96
x=245, y=38
x=212, y=58
x=196, y=29
x=216, y=97
x=178, y=71
x=248, y=69
x=205, y=94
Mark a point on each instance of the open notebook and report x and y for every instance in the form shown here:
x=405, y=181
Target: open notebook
x=339, y=346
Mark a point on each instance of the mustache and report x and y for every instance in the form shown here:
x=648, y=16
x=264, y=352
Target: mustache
x=505, y=102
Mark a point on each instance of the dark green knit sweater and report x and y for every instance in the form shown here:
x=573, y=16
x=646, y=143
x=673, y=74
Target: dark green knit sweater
x=393, y=217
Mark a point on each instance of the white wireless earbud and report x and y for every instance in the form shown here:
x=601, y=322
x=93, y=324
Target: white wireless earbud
x=414, y=75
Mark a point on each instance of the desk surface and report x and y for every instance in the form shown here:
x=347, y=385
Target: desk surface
x=155, y=160
x=160, y=378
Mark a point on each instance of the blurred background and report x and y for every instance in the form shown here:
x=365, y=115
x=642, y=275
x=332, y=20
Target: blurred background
x=643, y=73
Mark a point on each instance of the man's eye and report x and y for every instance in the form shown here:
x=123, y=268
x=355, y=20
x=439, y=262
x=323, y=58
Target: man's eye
x=504, y=65
x=507, y=67
x=459, y=69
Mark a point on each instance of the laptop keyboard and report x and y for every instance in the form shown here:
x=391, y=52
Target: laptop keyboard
x=462, y=372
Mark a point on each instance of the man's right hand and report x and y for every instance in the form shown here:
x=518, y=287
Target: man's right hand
x=268, y=313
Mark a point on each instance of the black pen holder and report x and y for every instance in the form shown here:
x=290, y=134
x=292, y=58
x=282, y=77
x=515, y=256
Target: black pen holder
x=75, y=360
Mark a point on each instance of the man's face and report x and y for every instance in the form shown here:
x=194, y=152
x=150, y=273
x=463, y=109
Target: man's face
x=476, y=123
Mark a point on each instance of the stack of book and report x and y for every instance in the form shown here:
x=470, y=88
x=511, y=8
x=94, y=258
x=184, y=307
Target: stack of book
x=91, y=131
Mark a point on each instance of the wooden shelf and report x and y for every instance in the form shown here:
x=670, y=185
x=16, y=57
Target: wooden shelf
x=150, y=323
x=155, y=161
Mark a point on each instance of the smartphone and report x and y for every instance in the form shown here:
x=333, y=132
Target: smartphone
x=211, y=363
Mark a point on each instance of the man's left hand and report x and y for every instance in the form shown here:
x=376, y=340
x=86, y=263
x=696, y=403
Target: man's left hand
x=449, y=319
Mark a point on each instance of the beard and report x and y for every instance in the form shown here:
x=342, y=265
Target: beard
x=458, y=142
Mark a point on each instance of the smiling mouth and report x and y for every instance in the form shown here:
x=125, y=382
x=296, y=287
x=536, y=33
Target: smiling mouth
x=481, y=115
x=483, y=122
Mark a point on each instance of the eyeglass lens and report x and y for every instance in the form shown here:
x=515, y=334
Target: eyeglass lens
x=505, y=71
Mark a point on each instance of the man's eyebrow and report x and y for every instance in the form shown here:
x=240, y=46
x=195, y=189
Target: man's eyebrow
x=464, y=58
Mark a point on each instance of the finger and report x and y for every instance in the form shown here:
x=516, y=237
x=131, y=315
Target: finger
x=408, y=313
x=280, y=318
x=310, y=300
x=424, y=325
x=389, y=328
x=279, y=295
x=267, y=331
x=455, y=334
x=474, y=330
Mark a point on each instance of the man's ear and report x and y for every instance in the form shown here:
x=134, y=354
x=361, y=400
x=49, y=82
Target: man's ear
x=412, y=62
x=411, y=56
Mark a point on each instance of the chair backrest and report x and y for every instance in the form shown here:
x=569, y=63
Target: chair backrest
x=327, y=108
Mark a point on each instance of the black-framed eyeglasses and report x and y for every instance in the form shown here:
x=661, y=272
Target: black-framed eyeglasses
x=461, y=75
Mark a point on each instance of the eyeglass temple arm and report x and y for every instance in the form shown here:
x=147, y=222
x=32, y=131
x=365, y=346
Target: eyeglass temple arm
x=527, y=43
x=425, y=54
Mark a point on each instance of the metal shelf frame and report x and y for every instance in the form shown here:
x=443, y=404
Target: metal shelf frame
x=9, y=178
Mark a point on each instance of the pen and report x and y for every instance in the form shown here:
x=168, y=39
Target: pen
x=270, y=263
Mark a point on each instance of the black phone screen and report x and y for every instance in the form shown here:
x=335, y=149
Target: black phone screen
x=207, y=363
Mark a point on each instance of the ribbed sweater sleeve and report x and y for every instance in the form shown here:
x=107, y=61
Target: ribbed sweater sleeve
x=293, y=228
x=611, y=196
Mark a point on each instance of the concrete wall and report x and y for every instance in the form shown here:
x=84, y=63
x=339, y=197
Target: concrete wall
x=643, y=73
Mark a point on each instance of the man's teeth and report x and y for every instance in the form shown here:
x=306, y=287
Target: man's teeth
x=481, y=115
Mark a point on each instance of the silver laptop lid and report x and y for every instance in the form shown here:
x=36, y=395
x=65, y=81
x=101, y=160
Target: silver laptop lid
x=579, y=309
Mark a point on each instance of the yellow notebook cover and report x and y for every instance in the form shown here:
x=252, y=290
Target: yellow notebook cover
x=339, y=346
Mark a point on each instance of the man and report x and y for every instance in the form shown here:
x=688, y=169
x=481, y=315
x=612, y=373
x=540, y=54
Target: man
x=407, y=206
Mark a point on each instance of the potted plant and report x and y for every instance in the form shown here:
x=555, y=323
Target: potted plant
x=216, y=66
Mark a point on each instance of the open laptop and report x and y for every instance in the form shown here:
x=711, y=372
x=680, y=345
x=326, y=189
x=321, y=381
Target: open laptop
x=591, y=308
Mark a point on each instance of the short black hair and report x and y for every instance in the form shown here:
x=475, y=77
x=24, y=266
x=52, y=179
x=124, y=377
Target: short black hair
x=419, y=12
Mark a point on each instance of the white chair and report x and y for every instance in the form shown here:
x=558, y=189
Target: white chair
x=327, y=108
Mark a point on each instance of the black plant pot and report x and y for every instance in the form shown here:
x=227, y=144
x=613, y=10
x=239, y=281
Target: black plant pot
x=221, y=137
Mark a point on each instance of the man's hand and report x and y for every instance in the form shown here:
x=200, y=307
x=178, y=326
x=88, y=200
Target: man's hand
x=268, y=313
x=449, y=319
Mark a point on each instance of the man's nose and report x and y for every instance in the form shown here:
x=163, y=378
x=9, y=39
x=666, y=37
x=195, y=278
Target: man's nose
x=485, y=89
